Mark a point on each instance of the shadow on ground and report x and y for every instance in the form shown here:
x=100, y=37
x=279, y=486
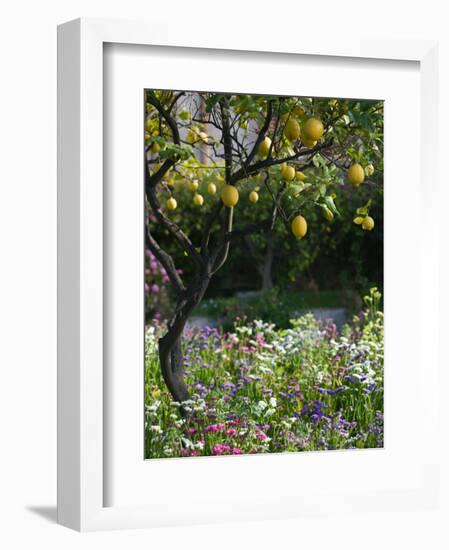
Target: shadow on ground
x=47, y=512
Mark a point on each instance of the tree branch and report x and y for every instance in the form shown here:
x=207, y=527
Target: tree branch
x=174, y=229
x=261, y=134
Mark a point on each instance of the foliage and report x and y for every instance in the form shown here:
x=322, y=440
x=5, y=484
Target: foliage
x=353, y=133
x=274, y=306
x=259, y=389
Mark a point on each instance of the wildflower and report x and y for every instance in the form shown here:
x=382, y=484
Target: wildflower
x=215, y=427
x=220, y=449
x=156, y=428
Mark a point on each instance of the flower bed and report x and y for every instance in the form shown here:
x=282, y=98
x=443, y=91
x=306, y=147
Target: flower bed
x=259, y=389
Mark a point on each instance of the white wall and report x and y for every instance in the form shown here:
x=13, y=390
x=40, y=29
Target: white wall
x=28, y=264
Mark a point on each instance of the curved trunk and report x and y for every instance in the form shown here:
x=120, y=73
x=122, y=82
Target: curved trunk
x=170, y=345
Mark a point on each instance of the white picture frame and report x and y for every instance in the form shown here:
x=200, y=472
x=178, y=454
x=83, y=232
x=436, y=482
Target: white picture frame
x=81, y=386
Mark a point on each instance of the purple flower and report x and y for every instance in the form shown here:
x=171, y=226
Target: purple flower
x=220, y=449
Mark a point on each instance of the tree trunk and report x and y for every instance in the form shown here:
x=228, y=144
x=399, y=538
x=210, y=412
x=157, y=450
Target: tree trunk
x=170, y=345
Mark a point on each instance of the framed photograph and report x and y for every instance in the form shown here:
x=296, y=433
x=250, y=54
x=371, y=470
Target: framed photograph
x=241, y=282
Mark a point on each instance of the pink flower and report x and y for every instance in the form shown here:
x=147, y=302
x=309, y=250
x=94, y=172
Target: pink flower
x=215, y=427
x=190, y=431
x=236, y=451
x=147, y=287
x=220, y=449
x=231, y=431
x=155, y=289
x=261, y=436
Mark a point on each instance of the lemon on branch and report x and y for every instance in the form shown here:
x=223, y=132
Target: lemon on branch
x=368, y=223
x=299, y=227
x=288, y=172
x=193, y=185
x=292, y=129
x=171, y=203
x=300, y=176
x=327, y=213
x=155, y=148
x=253, y=196
x=211, y=188
x=313, y=129
x=264, y=147
x=229, y=196
x=309, y=143
x=198, y=199
x=356, y=174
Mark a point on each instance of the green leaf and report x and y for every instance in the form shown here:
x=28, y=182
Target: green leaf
x=331, y=205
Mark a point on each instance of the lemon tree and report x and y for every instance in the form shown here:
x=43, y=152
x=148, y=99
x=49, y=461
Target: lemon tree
x=211, y=157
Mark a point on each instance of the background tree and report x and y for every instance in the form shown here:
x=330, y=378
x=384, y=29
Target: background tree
x=221, y=154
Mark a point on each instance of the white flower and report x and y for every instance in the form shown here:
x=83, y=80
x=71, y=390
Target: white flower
x=153, y=407
x=156, y=428
x=273, y=402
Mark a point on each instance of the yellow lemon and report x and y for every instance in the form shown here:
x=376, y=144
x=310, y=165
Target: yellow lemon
x=300, y=176
x=264, y=147
x=253, y=196
x=193, y=185
x=292, y=129
x=358, y=220
x=198, y=200
x=356, y=174
x=211, y=188
x=299, y=227
x=289, y=173
x=328, y=214
x=229, y=195
x=369, y=170
x=313, y=129
x=309, y=142
x=155, y=148
x=171, y=203
x=299, y=111
x=368, y=223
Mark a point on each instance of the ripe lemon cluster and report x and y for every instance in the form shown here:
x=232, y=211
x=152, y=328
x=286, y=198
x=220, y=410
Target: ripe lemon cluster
x=310, y=133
